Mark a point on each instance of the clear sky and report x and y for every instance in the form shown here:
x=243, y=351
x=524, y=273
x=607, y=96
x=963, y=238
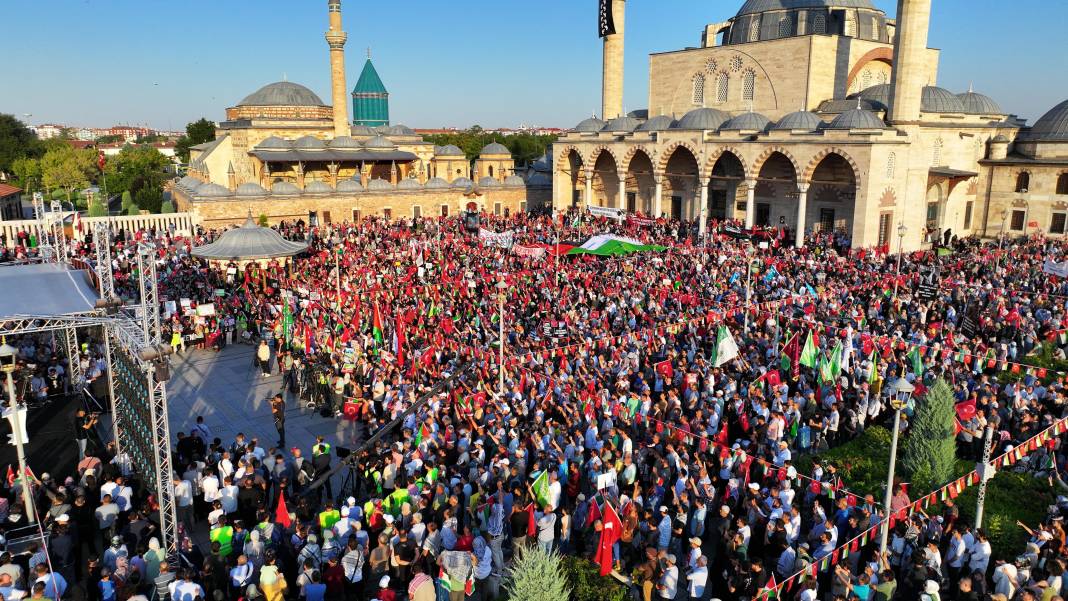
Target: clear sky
x=453, y=63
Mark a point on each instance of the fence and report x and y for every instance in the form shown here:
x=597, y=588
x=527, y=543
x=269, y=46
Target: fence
x=179, y=223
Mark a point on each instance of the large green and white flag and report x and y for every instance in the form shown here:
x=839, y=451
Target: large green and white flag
x=809, y=354
x=541, y=489
x=726, y=348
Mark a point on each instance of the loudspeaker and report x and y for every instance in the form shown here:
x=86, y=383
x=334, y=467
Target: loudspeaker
x=343, y=452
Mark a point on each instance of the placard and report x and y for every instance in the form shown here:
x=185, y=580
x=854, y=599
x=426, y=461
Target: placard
x=206, y=309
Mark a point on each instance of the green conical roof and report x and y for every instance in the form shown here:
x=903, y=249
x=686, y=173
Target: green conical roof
x=369, y=82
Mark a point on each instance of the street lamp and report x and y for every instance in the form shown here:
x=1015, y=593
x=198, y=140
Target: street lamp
x=749, y=263
x=1001, y=238
x=900, y=392
x=901, y=231
x=7, y=364
x=501, y=288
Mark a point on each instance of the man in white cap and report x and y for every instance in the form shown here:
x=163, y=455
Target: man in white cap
x=668, y=586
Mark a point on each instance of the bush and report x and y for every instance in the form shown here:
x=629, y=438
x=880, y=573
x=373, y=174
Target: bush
x=929, y=450
x=127, y=200
x=587, y=584
x=133, y=210
x=263, y=220
x=536, y=576
x=166, y=207
x=97, y=208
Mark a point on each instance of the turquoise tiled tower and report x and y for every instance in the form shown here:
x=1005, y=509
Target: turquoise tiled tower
x=370, y=100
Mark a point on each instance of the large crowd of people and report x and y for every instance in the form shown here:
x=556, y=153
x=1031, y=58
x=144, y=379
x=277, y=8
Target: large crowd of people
x=664, y=391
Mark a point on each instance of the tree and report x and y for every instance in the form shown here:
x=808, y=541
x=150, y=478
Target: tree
x=133, y=209
x=524, y=147
x=110, y=139
x=67, y=169
x=138, y=172
x=263, y=220
x=16, y=141
x=930, y=449
x=197, y=132
x=536, y=576
x=96, y=207
x=27, y=172
x=167, y=207
x=127, y=200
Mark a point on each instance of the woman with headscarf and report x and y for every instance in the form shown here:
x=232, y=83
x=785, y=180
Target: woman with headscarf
x=272, y=583
x=254, y=549
x=153, y=557
x=457, y=567
x=483, y=565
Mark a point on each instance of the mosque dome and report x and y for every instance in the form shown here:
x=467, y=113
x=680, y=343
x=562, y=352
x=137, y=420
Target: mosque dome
x=212, y=191
x=658, y=123
x=593, y=124
x=349, y=185
x=249, y=241
x=940, y=100
x=488, y=182
x=284, y=189
x=274, y=143
x=622, y=124
x=401, y=130
x=515, y=180
x=856, y=119
x=761, y=6
x=436, y=183
x=362, y=130
x=703, y=119
x=309, y=143
x=979, y=104
x=409, y=183
x=251, y=189
x=799, y=120
x=449, y=150
x=379, y=185
x=318, y=187
x=189, y=182
x=344, y=142
x=746, y=122
x=462, y=182
x=537, y=180
x=878, y=95
x=1053, y=126
x=493, y=148
x=379, y=143
x=282, y=93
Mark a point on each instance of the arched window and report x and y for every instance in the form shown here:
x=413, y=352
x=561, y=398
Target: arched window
x=851, y=25
x=749, y=85
x=936, y=160
x=865, y=79
x=1062, y=183
x=754, y=29
x=819, y=23
x=875, y=29
x=882, y=78
x=722, y=87
x=785, y=27
x=699, y=89
x=891, y=163
x=1023, y=181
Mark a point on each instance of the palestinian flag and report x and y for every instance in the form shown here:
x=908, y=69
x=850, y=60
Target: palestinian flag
x=421, y=434
x=809, y=354
x=607, y=245
x=770, y=590
x=791, y=355
x=376, y=326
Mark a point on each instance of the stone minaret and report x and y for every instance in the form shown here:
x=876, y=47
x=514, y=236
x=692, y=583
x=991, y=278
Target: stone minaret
x=335, y=38
x=910, y=60
x=612, y=80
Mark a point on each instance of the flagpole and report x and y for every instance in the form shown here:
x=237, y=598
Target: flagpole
x=501, y=286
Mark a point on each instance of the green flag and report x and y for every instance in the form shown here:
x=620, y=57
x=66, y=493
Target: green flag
x=874, y=375
x=835, y=366
x=917, y=361
x=541, y=489
x=726, y=348
x=809, y=354
x=825, y=373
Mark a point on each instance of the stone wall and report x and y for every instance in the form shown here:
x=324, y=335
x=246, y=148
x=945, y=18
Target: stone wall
x=1038, y=204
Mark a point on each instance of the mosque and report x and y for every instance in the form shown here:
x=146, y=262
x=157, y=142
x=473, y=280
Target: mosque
x=815, y=116
x=285, y=154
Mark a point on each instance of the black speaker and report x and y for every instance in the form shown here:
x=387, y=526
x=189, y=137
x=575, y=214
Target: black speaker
x=343, y=452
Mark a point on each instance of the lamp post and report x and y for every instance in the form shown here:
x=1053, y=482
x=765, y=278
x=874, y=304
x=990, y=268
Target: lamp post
x=337, y=274
x=501, y=287
x=1001, y=238
x=748, y=283
x=901, y=231
x=7, y=364
x=900, y=392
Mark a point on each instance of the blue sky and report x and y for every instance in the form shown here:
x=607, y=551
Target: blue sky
x=494, y=63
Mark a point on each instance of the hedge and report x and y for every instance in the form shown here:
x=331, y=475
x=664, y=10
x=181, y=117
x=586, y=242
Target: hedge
x=863, y=461
x=587, y=584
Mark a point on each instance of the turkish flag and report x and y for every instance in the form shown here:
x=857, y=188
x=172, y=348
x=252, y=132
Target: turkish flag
x=966, y=409
x=532, y=524
x=664, y=369
x=613, y=530
x=281, y=515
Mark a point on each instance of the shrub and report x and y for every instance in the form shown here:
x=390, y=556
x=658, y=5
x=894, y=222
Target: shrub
x=97, y=208
x=167, y=207
x=929, y=449
x=536, y=576
x=587, y=584
x=263, y=220
x=127, y=200
x=133, y=210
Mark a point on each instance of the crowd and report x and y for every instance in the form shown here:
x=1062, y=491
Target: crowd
x=666, y=394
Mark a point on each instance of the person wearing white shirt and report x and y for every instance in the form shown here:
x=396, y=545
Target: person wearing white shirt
x=668, y=586
x=183, y=502
x=228, y=496
x=697, y=578
x=980, y=553
x=209, y=484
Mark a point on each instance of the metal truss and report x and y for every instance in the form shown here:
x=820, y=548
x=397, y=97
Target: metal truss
x=104, y=276
x=69, y=338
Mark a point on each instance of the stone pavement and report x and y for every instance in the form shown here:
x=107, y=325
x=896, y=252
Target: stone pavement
x=232, y=395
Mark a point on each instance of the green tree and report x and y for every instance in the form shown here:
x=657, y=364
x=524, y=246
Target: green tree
x=536, y=576
x=127, y=199
x=263, y=220
x=67, y=169
x=930, y=449
x=138, y=171
x=133, y=209
x=96, y=207
x=109, y=139
x=149, y=199
x=167, y=207
x=16, y=141
x=197, y=132
x=27, y=172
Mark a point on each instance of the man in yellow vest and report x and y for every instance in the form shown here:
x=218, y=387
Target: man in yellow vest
x=223, y=534
x=328, y=517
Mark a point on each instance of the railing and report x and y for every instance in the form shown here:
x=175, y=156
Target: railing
x=178, y=223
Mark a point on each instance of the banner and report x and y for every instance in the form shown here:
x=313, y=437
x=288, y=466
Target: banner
x=500, y=240
x=640, y=221
x=535, y=252
x=606, y=22
x=1058, y=269
x=609, y=212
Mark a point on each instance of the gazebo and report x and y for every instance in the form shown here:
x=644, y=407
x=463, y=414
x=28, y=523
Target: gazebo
x=250, y=242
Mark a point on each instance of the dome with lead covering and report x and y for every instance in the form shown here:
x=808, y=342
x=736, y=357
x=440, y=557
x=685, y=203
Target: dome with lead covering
x=514, y=180
x=379, y=143
x=657, y=123
x=449, y=150
x=345, y=142
x=282, y=93
x=622, y=124
x=488, y=182
x=593, y=124
x=1053, y=126
x=274, y=143
x=409, y=183
x=318, y=187
x=247, y=242
x=362, y=130
x=975, y=103
x=284, y=189
x=856, y=119
x=799, y=120
x=493, y=148
x=940, y=100
x=189, y=182
x=703, y=119
x=251, y=189
x=436, y=183
x=762, y=6
x=539, y=180
x=349, y=186
x=379, y=185
x=746, y=122
x=309, y=143
x=212, y=191
x=462, y=182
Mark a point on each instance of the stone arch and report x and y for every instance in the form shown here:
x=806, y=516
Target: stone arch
x=596, y=154
x=661, y=164
x=566, y=152
x=719, y=152
x=816, y=160
x=632, y=152
x=883, y=55
x=768, y=152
